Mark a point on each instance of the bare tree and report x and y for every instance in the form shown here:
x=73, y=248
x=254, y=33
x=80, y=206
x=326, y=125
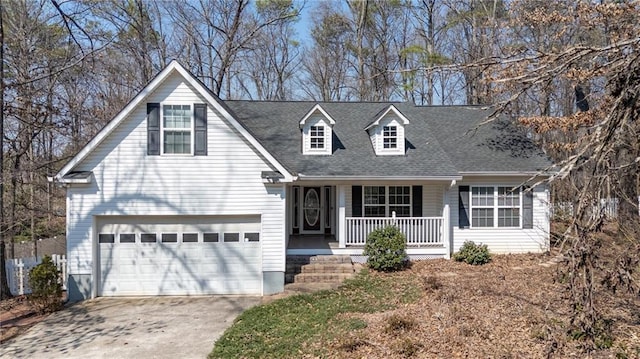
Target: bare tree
x=216, y=33
x=474, y=32
x=139, y=41
x=326, y=63
x=601, y=145
x=273, y=56
x=4, y=284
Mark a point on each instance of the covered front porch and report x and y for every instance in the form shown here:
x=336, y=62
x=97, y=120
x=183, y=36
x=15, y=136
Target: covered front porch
x=327, y=220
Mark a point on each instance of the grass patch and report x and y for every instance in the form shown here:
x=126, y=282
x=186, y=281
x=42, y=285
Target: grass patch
x=288, y=327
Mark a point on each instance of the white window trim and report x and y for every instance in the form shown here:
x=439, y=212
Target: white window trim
x=495, y=207
x=323, y=137
x=192, y=129
x=387, y=212
x=384, y=137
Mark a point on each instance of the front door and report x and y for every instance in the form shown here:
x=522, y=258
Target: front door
x=312, y=209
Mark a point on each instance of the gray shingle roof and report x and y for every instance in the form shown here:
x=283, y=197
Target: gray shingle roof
x=439, y=140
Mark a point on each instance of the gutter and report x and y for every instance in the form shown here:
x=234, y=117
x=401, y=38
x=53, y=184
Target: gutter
x=509, y=173
x=302, y=177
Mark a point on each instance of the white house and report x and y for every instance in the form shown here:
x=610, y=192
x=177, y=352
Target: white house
x=184, y=194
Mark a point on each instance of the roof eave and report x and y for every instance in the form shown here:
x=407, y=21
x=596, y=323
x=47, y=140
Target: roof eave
x=55, y=179
x=403, y=118
x=507, y=173
x=106, y=130
x=143, y=94
x=302, y=177
x=315, y=108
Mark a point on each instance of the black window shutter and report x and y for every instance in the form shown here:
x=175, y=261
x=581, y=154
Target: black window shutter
x=463, y=204
x=527, y=208
x=416, y=201
x=356, y=199
x=200, y=115
x=153, y=129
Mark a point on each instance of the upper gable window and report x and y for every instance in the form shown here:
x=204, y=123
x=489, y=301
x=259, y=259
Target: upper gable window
x=390, y=137
x=316, y=137
x=177, y=129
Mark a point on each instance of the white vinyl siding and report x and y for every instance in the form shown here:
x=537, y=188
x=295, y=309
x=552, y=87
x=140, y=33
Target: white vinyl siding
x=432, y=200
x=504, y=240
x=128, y=182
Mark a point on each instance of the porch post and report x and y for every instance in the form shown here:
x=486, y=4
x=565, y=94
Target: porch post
x=341, y=222
x=445, y=231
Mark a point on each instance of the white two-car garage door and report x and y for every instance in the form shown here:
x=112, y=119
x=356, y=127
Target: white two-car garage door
x=178, y=255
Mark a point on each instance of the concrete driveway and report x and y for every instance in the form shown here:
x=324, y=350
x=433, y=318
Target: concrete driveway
x=154, y=327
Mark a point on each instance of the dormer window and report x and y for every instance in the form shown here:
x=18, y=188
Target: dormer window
x=317, y=132
x=387, y=132
x=316, y=137
x=390, y=137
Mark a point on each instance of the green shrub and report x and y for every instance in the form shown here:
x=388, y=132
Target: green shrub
x=386, y=249
x=46, y=290
x=471, y=253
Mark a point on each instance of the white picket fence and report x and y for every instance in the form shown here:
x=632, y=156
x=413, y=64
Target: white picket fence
x=607, y=206
x=18, y=272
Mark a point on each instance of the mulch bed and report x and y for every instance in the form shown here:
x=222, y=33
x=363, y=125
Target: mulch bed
x=513, y=307
x=16, y=316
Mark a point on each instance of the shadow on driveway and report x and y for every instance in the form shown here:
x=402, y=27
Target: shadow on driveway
x=153, y=327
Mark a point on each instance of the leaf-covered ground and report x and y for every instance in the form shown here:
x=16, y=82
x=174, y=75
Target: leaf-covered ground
x=16, y=316
x=514, y=307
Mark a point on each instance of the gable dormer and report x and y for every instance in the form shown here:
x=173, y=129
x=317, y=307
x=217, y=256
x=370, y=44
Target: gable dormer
x=387, y=132
x=317, y=132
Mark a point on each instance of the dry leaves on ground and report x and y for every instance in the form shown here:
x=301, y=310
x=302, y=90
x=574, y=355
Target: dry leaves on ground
x=511, y=308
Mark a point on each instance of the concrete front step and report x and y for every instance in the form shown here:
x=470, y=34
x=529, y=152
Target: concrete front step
x=318, y=269
x=330, y=259
x=322, y=277
x=327, y=267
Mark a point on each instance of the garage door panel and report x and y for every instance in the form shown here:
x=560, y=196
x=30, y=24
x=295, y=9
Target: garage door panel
x=177, y=268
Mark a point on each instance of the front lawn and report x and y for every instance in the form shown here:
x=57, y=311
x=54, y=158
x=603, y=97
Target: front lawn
x=514, y=307
x=298, y=325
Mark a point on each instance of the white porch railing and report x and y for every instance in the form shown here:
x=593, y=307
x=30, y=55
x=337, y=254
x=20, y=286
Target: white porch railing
x=419, y=231
x=18, y=272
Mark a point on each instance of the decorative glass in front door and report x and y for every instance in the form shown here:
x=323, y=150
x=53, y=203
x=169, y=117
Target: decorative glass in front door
x=311, y=209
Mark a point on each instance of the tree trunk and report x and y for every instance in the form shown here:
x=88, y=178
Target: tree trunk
x=4, y=284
